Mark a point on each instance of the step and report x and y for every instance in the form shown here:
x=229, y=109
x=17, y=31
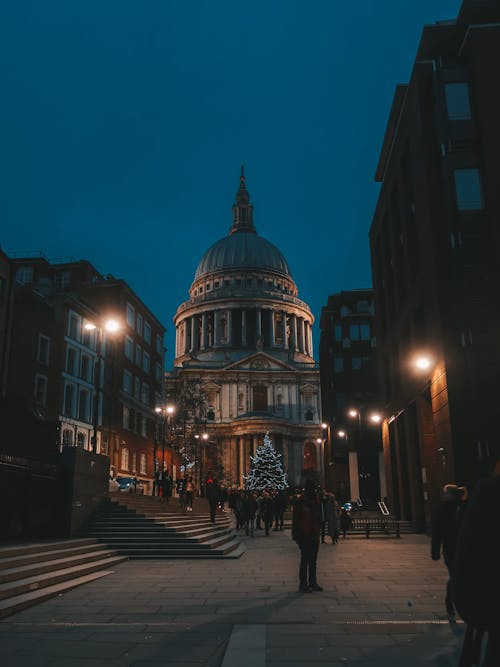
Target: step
x=28, y=584
x=19, y=602
x=39, y=547
x=33, y=569
x=40, y=557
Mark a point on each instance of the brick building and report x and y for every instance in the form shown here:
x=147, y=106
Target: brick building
x=435, y=258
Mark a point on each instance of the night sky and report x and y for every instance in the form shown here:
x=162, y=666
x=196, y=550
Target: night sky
x=123, y=126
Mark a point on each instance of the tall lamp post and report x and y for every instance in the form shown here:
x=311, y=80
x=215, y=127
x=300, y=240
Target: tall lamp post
x=110, y=326
x=373, y=418
x=166, y=413
x=201, y=440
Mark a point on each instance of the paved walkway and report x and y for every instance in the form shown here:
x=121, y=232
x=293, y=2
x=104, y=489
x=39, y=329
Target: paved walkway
x=382, y=606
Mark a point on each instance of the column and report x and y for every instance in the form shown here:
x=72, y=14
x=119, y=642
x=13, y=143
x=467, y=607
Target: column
x=302, y=335
x=216, y=331
x=193, y=334
x=186, y=342
x=244, y=328
x=229, y=317
x=241, y=468
x=271, y=327
x=353, y=475
x=258, y=323
x=310, y=340
x=203, y=342
x=285, y=335
x=381, y=473
x=295, y=342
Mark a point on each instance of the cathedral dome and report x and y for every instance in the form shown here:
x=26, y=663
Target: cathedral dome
x=242, y=249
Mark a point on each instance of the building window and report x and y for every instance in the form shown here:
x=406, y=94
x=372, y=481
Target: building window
x=359, y=332
x=125, y=458
x=63, y=279
x=84, y=406
x=129, y=348
x=457, y=100
x=67, y=437
x=137, y=388
x=146, y=362
x=145, y=393
x=69, y=400
x=159, y=344
x=86, y=368
x=127, y=382
x=144, y=427
x=279, y=402
x=104, y=446
x=147, y=332
x=158, y=372
x=468, y=189
x=134, y=463
x=138, y=355
x=126, y=418
x=130, y=315
x=24, y=275
x=43, y=349
x=260, y=398
x=241, y=401
x=142, y=468
x=211, y=414
x=80, y=440
x=338, y=332
x=362, y=307
x=40, y=389
x=338, y=364
x=74, y=327
x=139, y=324
x=344, y=310
x=71, y=361
x=340, y=401
x=138, y=422
x=356, y=363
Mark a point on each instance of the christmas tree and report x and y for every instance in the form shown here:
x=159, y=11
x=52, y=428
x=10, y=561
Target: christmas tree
x=266, y=469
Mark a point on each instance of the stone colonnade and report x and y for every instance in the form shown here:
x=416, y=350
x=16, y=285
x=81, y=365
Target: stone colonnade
x=240, y=327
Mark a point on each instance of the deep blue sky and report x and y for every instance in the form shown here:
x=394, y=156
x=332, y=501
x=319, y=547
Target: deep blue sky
x=123, y=125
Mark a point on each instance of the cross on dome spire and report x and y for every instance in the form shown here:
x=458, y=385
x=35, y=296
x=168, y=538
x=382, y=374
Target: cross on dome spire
x=242, y=209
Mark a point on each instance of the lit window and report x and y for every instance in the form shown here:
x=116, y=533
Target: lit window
x=134, y=462
x=147, y=332
x=40, y=390
x=124, y=458
x=468, y=189
x=80, y=440
x=457, y=100
x=43, y=349
x=67, y=437
x=142, y=469
x=130, y=315
x=129, y=348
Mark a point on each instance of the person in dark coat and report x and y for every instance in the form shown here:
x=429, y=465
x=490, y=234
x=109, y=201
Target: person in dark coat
x=213, y=492
x=475, y=580
x=250, y=507
x=266, y=510
x=280, y=503
x=345, y=521
x=306, y=530
x=446, y=522
x=166, y=485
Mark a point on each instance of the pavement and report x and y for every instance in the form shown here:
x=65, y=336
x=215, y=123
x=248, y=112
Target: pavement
x=382, y=605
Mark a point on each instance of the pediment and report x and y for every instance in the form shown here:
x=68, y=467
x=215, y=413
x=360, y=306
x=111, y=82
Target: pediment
x=259, y=362
x=308, y=388
x=210, y=386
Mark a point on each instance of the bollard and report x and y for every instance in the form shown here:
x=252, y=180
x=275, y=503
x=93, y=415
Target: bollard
x=367, y=530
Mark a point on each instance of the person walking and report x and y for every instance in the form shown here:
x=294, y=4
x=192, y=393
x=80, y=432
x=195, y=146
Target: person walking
x=306, y=530
x=213, y=497
x=446, y=522
x=475, y=582
x=250, y=507
x=181, y=491
x=345, y=521
x=189, y=494
x=280, y=505
x=330, y=521
x=266, y=511
x=165, y=485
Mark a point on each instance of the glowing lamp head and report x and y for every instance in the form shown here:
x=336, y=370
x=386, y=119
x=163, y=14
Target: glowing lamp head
x=204, y=436
x=376, y=418
x=324, y=426
x=170, y=409
x=341, y=434
x=89, y=326
x=112, y=326
x=423, y=363
x=353, y=413
x=158, y=410
x=319, y=441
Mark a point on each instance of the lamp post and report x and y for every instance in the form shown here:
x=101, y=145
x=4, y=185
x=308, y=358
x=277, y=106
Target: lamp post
x=110, y=326
x=373, y=418
x=201, y=439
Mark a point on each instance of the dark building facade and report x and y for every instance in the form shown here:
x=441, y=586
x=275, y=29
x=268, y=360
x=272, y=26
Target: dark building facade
x=350, y=405
x=435, y=260
x=70, y=371
x=6, y=290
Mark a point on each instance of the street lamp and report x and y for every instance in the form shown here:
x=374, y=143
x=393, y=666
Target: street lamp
x=167, y=412
x=200, y=440
x=111, y=326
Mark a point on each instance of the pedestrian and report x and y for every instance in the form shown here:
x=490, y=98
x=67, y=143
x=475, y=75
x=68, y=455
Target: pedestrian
x=345, y=521
x=266, y=511
x=189, y=494
x=280, y=505
x=446, y=522
x=250, y=507
x=306, y=529
x=330, y=521
x=475, y=580
x=181, y=491
x=213, y=497
x=223, y=496
x=166, y=485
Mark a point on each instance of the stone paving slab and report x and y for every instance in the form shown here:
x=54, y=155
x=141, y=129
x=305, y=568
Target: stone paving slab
x=383, y=605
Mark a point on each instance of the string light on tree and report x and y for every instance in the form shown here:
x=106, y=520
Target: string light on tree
x=266, y=469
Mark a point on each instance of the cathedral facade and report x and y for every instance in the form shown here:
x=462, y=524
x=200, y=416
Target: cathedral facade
x=245, y=339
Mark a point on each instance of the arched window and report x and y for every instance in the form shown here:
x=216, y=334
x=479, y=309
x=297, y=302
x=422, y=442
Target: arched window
x=125, y=458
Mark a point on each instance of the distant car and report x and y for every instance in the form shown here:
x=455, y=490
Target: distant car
x=114, y=486
x=130, y=485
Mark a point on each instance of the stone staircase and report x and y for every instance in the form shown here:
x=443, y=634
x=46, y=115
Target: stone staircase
x=34, y=572
x=145, y=527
